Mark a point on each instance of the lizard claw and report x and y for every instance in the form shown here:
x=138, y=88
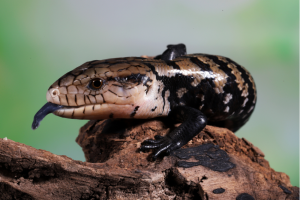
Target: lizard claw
x=161, y=144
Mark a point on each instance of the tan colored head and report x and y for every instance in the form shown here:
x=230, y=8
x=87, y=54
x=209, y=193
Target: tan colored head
x=114, y=88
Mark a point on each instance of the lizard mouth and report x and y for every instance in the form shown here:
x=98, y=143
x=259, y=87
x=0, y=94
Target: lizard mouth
x=90, y=112
x=52, y=108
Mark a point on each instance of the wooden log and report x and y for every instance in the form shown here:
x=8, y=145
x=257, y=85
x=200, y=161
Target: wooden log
x=227, y=167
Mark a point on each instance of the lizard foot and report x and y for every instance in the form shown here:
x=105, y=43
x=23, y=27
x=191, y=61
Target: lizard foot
x=161, y=144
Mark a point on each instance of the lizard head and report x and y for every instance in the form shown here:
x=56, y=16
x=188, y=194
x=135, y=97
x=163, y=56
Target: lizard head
x=113, y=88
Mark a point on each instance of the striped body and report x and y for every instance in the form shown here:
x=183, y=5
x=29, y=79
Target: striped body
x=193, y=89
x=136, y=87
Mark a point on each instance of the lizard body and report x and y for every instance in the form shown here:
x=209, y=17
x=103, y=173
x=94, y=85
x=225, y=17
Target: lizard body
x=195, y=89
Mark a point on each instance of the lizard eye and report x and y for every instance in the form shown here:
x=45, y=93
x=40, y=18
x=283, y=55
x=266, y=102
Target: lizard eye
x=96, y=84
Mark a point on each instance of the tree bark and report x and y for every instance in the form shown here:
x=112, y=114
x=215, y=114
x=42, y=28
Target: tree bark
x=214, y=165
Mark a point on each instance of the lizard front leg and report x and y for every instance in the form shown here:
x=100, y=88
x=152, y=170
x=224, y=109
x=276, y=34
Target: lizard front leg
x=193, y=121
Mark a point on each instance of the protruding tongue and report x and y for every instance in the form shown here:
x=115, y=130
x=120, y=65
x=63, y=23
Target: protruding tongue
x=45, y=110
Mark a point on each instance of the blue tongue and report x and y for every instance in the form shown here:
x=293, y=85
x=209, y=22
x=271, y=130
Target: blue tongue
x=45, y=110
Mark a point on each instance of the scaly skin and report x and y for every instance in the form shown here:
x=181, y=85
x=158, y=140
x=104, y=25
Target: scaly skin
x=213, y=89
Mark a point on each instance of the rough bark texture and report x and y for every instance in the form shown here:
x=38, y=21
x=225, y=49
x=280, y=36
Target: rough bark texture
x=116, y=169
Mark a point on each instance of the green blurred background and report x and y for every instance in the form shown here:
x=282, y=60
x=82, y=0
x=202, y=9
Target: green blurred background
x=42, y=40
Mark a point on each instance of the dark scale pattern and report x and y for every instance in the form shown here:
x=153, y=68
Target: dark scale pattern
x=134, y=111
x=224, y=95
x=230, y=86
x=213, y=105
x=173, y=64
x=153, y=109
x=174, y=83
x=247, y=80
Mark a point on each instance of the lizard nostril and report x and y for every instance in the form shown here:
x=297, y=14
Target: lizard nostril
x=54, y=93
